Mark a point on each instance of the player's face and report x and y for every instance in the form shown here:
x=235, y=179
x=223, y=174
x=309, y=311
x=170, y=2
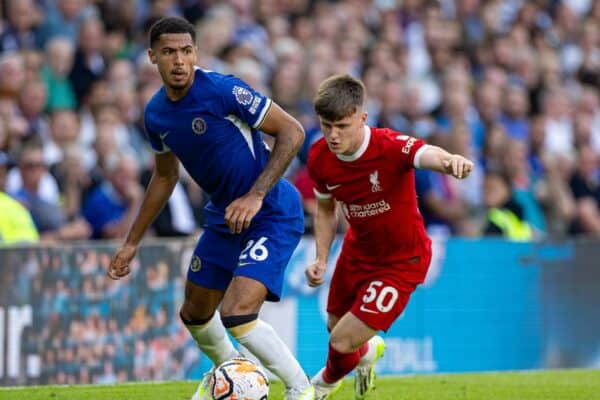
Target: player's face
x=175, y=55
x=345, y=136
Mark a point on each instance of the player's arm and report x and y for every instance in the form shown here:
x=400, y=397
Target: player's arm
x=289, y=136
x=162, y=183
x=437, y=159
x=325, y=226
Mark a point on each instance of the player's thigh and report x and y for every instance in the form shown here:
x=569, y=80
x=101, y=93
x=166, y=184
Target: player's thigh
x=200, y=303
x=214, y=260
x=243, y=296
x=332, y=321
x=342, y=289
x=267, y=247
x=350, y=333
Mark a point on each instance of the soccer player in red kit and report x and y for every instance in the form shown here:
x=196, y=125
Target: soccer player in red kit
x=386, y=251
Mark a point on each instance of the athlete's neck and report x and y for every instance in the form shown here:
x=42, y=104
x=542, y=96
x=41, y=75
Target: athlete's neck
x=360, y=138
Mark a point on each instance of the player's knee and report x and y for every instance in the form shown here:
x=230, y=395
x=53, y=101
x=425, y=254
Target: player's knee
x=190, y=315
x=239, y=325
x=342, y=343
x=240, y=306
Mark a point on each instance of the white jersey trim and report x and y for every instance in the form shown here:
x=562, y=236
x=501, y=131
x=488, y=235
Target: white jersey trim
x=263, y=113
x=197, y=68
x=321, y=196
x=244, y=130
x=361, y=150
x=418, y=154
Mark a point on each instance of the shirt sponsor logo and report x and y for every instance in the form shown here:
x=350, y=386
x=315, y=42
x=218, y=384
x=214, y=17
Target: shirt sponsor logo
x=254, y=106
x=366, y=210
x=242, y=95
x=199, y=126
x=408, y=145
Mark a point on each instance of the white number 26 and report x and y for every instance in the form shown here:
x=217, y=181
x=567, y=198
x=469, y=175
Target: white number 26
x=256, y=250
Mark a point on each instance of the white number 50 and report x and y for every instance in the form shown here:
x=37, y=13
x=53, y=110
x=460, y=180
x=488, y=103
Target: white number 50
x=385, y=299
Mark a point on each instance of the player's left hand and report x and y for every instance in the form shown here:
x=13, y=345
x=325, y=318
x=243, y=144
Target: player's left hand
x=315, y=273
x=119, y=266
x=458, y=166
x=239, y=214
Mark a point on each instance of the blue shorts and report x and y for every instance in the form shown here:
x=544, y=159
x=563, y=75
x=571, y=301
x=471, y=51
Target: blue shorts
x=260, y=252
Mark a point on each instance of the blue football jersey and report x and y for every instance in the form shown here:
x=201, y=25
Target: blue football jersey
x=213, y=131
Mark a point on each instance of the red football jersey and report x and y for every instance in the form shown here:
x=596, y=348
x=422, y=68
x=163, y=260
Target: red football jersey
x=376, y=189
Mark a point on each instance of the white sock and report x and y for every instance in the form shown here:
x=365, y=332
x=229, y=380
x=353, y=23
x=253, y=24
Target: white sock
x=212, y=339
x=367, y=359
x=265, y=344
x=318, y=379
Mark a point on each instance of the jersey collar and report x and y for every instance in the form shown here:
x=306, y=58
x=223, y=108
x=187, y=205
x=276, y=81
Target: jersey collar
x=361, y=150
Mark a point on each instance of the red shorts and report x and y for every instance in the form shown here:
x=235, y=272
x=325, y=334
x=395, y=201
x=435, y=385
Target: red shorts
x=375, y=294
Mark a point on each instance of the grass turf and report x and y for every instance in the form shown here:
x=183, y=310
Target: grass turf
x=539, y=385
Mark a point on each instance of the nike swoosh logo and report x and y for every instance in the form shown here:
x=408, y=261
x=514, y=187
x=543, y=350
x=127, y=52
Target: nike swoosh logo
x=365, y=309
x=163, y=135
x=332, y=187
x=242, y=264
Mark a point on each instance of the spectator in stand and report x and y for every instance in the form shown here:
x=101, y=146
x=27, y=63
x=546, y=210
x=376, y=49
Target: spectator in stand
x=60, y=54
x=89, y=64
x=504, y=215
x=64, y=18
x=16, y=224
x=49, y=218
x=32, y=102
x=585, y=184
x=111, y=207
x=23, y=18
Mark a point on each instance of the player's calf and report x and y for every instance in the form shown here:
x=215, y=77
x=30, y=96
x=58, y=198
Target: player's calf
x=211, y=337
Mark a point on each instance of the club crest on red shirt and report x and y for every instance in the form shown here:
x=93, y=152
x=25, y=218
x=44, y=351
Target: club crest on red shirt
x=374, y=179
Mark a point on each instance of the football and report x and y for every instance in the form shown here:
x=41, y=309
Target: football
x=239, y=379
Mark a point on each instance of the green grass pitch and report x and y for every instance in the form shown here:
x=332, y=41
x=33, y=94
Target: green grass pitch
x=539, y=385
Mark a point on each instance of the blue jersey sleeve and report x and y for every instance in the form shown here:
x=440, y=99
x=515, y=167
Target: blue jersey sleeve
x=153, y=136
x=244, y=102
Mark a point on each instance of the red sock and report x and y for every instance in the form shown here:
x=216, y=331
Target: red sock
x=340, y=364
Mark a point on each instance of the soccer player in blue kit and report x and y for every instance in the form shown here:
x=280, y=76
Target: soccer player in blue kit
x=210, y=122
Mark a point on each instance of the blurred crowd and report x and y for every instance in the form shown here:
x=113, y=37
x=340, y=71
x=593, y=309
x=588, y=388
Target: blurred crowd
x=512, y=84
x=88, y=329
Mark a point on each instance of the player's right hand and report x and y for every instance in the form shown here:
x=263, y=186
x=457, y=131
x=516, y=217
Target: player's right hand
x=315, y=273
x=119, y=264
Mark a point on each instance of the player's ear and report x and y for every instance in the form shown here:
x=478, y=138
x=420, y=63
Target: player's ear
x=152, y=56
x=364, y=116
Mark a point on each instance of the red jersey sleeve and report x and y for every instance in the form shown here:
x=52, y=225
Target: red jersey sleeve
x=314, y=171
x=406, y=149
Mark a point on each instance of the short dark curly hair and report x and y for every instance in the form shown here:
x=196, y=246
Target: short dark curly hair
x=171, y=25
